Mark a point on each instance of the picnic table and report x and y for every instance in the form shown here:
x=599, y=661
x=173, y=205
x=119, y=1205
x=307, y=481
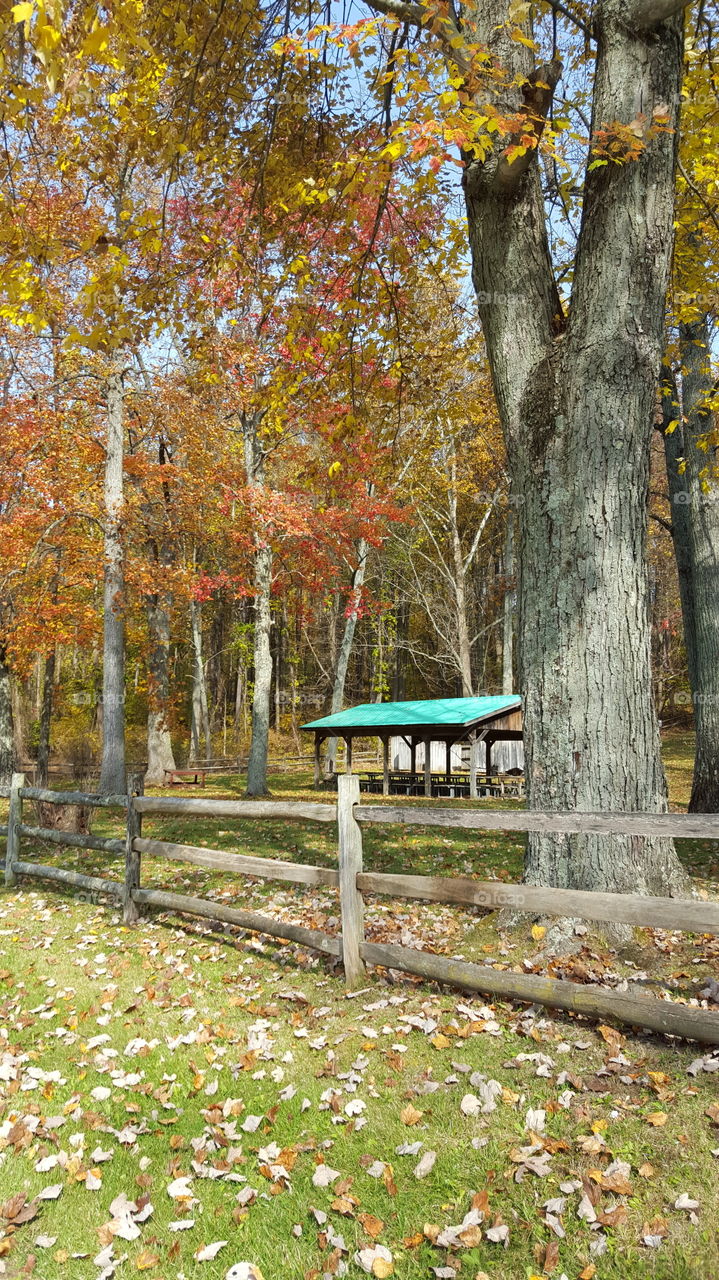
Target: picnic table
x=454, y=785
x=174, y=777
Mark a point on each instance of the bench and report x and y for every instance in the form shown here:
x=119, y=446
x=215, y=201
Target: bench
x=174, y=777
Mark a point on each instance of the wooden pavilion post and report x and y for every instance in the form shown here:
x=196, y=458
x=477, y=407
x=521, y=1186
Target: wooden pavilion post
x=318, y=763
x=413, y=754
x=448, y=758
x=385, y=766
x=348, y=755
x=473, y=753
x=427, y=767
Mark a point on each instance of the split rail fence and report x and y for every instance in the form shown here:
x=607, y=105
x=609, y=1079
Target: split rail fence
x=353, y=882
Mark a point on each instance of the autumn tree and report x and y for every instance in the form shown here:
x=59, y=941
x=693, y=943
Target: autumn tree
x=688, y=415
x=574, y=378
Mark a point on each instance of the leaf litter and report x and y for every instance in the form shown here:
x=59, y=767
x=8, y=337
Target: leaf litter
x=171, y=1100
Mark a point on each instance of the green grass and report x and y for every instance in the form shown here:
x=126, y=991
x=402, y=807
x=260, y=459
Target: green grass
x=66, y=963
x=161, y=982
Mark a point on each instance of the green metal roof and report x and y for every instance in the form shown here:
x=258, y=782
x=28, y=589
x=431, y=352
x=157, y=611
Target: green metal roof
x=430, y=712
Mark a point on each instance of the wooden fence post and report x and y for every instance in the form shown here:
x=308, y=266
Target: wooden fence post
x=14, y=818
x=130, y=910
x=350, y=866
x=473, y=753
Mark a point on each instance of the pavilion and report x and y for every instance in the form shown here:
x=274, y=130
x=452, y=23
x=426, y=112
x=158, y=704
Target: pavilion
x=437, y=720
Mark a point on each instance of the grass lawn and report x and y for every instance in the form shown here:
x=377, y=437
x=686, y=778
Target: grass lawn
x=229, y=1069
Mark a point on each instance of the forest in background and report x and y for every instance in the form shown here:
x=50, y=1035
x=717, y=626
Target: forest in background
x=252, y=462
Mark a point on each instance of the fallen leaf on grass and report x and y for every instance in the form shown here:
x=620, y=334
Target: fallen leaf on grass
x=323, y=1176
x=426, y=1164
x=498, y=1235
x=180, y=1189
x=551, y=1257
x=372, y=1225
x=376, y=1261
x=654, y=1232
x=18, y=1209
x=657, y=1118
x=244, y=1271
x=146, y=1260
x=410, y=1115
x=209, y=1251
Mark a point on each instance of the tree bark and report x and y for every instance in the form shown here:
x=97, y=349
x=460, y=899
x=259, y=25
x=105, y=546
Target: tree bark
x=508, y=608
x=464, y=645
x=160, y=755
x=259, y=745
x=263, y=564
x=112, y=771
x=43, y=749
x=345, y=649
x=703, y=527
x=20, y=700
x=7, y=754
x=680, y=518
x=576, y=403
x=200, y=719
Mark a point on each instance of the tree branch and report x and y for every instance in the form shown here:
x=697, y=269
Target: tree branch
x=538, y=93
x=419, y=15
x=648, y=13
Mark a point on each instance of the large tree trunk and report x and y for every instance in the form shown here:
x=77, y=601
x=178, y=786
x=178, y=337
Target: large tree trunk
x=345, y=649
x=259, y=745
x=200, y=719
x=576, y=407
x=672, y=429
x=20, y=699
x=7, y=755
x=464, y=645
x=43, y=749
x=112, y=771
x=702, y=510
x=160, y=755
x=262, y=649
x=508, y=607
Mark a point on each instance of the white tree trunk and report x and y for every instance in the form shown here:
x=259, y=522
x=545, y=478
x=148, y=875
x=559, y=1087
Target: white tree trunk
x=200, y=720
x=160, y=755
x=259, y=746
x=345, y=649
x=261, y=699
x=464, y=645
x=112, y=772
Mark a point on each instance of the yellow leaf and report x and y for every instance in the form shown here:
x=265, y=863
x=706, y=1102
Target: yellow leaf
x=538, y=932
x=147, y=1259
x=22, y=12
x=410, y=1115
x=382, y=1268
x=441, y=1042
x=657, y=1118
x=96, y=41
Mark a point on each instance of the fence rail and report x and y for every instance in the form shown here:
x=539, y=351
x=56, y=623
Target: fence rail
x=689, y=914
